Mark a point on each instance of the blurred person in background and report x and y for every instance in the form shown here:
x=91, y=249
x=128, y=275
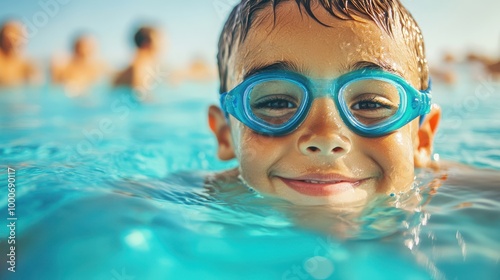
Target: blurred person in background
x=82, y=70
x=143, y=73
x=446, y=72
x=14, y=68
x=198, y=71
x=490, y=64
x=494, y=69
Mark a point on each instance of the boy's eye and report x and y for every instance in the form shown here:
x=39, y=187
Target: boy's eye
x=275, y=109
x=275, y=103
x=369, y=105
x=373, y=109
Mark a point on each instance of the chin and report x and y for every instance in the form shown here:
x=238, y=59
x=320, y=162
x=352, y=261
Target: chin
x=349, y=198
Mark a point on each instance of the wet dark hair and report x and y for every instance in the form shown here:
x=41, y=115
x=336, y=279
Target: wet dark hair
x=3, y=26
x=78, y=37
x=143, y=36
x=387, y=14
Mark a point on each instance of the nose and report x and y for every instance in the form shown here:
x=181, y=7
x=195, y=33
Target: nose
x=323, y=131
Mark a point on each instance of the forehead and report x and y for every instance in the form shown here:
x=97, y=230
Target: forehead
x=317, y=50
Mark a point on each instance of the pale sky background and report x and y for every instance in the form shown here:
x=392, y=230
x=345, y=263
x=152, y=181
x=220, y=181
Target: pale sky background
x=192, y=27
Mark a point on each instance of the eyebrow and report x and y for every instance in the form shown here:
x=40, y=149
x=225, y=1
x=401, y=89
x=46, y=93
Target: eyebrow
x=381, y=65
x=279, y=65
x=291, y=66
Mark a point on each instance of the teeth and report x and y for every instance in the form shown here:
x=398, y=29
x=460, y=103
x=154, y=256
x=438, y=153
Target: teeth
x=320, y=182
x=313, y=182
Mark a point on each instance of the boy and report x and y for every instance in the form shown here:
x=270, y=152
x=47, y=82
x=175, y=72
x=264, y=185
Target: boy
x=324, y=102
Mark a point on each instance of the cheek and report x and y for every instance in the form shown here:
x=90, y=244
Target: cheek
x=246, y=143
x=253, y=165
x=249, y=148
x=257, y=155
x=400, y=148
x=394, y=155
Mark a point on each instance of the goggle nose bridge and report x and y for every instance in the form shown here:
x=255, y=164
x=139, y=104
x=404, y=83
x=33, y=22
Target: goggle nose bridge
x=323, y=87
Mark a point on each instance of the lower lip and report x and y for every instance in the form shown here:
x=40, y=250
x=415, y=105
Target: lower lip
x=321, y=189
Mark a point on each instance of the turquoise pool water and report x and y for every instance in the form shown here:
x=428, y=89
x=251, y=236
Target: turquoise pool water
x=106, y=188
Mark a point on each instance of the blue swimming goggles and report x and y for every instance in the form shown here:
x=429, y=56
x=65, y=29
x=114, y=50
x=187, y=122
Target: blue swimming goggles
x=371, y=102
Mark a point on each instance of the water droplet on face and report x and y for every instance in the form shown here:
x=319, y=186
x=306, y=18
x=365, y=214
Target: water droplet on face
x=415, y=103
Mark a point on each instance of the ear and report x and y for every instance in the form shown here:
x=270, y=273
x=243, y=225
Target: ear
x=426, y=134
x=221, y=130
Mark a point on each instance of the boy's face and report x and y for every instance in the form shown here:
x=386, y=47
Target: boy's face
x=323, y=161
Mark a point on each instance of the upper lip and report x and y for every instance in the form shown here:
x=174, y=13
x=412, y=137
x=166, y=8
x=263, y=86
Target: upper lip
x=327, y=178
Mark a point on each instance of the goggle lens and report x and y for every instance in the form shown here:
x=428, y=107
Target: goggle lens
x=371, y=101
x=275, y=102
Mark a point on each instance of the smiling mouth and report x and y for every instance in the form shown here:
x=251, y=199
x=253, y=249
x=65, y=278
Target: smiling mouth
x=318, y=187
